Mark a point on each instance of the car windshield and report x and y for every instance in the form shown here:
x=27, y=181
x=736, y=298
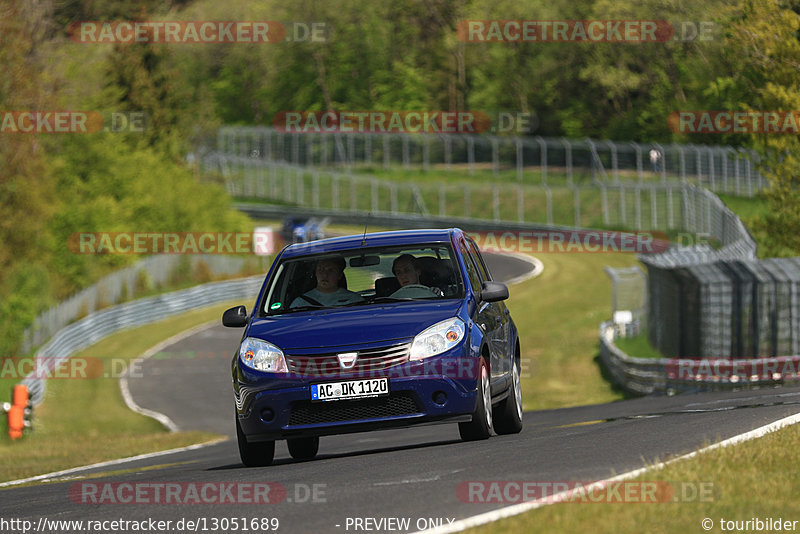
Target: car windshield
x=362, y=277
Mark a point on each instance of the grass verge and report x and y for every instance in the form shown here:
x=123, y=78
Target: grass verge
x=557, y=315
x=638, y=347
x=83, y=421
x=756, y=479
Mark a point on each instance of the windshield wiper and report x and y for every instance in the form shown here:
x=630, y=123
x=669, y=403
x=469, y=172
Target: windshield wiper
x=392, y=299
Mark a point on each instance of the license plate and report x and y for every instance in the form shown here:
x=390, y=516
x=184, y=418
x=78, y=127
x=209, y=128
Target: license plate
x=350, y=389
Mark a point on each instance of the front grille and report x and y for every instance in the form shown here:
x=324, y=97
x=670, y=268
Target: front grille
x=369, y=361
x=311, y=413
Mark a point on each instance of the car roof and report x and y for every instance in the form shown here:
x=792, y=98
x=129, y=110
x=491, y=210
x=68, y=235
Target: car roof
x=376, y=239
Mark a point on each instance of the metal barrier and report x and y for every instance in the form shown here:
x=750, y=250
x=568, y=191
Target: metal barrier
x=122, y=285
x=645, y=376
x=98, y=325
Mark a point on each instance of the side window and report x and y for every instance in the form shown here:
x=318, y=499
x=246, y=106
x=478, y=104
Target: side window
x=472, y=271
x=476, y=256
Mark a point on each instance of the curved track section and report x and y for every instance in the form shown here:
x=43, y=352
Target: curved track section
x=415, y=475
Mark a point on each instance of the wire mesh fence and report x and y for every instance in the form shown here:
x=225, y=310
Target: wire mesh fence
x=632, y=205
x=529, y=160
x=738, y=309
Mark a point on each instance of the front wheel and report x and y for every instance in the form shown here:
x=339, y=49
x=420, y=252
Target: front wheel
x=481, y=425
x=257, y=454
x=508, y=414
x=303, y=448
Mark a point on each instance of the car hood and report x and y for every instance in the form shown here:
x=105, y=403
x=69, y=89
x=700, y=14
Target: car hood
x=359, y=325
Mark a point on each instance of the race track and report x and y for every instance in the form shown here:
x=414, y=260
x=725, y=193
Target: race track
x=418, y=474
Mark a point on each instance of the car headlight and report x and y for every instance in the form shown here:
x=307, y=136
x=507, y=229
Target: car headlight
x=437, y=339
x=262, y=356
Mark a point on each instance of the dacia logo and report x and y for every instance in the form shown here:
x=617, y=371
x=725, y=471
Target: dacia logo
x=347, y=360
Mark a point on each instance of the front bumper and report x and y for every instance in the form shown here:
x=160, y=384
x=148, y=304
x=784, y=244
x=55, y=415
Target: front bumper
x=439, y=389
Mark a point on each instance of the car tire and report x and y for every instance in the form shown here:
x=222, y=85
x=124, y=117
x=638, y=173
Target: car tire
x=508, y=414
x=303, y=448
x=481, y=425
x=257, y=454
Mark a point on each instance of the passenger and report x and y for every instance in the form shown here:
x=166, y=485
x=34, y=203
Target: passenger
x=406, y=269
x=329, y=273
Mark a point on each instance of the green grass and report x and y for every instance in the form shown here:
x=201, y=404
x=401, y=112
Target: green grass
x=557, y=315
x=756, y=479
x=752, y=211
x=83, y=421
x=638, y=347
x=744, y=207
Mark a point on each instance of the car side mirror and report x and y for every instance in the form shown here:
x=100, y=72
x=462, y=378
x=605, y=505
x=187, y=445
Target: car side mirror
x=494, y=291
x=235, y=317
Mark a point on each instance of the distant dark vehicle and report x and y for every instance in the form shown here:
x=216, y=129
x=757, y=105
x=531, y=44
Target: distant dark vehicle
x=343, y=338
x=303, y=230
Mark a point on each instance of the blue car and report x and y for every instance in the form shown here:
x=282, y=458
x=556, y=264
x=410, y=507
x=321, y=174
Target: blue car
x=374, y=331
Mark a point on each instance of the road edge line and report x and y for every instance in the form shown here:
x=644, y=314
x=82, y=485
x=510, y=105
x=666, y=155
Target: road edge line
x=107, y=463
x=516, y=509
x=168, y=423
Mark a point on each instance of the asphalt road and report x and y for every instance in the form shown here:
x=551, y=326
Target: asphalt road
x=418, y=474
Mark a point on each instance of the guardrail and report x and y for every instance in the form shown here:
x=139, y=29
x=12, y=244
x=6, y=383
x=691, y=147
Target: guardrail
x=98, y=325
x=122, y=285
x=645, y=376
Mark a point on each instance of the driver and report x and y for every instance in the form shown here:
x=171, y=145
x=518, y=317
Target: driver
x=406, y=269
x=328, y=272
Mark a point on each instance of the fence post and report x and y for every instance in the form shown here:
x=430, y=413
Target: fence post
x=614, y=169
x=448, y=156
x=496, y=202
x=353, y=199
x=670, y=211
x=520, y=204
x=568, y=155
x=638, y=208
x=315, y=190
x=518, y=142
x=406, y=155
x=495, y=157
x=576, y=193
x=387, y=155
x=471, y=155
x=711, y=168
x=426, y=153
x=542, y=158
x=639, y=170
x=653, y=207
x=549, y=197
